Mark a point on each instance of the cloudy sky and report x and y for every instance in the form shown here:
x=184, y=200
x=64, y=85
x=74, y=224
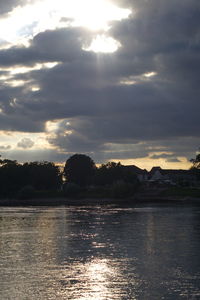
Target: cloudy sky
x=116, y=80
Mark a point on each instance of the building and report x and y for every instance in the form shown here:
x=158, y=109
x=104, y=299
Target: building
x=174, y=177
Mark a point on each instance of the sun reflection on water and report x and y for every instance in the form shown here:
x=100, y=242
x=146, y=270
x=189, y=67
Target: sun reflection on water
x=97, y=275
x=87, y=254
x=97, y=279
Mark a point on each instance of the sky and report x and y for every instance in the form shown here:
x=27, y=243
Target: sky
x=116, y=80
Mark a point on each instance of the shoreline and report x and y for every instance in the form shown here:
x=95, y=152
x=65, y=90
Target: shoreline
x=97, y=201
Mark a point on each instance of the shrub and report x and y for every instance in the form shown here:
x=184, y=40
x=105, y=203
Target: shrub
x=27, y=192
x=121, y=189
x=71, y=189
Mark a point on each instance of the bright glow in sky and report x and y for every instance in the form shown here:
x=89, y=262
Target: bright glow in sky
x=150, y=74
x=103, y=44
x=148, y=163
x=10, y=139
x=50, y=14
x=136, y=79
x=9, y=78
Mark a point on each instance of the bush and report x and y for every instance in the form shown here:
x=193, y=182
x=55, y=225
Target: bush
x=27, y=192
x=121, y=189
x=97, y=192
x=48, y=194
x=71, y=189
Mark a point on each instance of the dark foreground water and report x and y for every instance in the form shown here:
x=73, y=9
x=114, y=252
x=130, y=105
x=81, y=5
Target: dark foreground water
x=148, y=252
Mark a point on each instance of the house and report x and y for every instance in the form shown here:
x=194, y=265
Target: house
x=173, y=177
x=141, y=174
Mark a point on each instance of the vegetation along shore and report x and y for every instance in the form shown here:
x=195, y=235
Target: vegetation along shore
x=81, y=182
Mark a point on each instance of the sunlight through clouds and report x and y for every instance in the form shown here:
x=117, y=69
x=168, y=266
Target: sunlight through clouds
x=38, y=66
x=10, y=80
x=103, y=44
x=95, y=15
x=31, y=19
x=118, y=70
x=131, y=80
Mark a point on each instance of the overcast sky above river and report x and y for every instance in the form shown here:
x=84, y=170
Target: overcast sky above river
x=116, y=80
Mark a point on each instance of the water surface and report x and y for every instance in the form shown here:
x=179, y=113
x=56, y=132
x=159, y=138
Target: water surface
x=148, y=252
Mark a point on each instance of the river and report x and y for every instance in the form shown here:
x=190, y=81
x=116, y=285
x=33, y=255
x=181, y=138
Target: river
x=145, y=252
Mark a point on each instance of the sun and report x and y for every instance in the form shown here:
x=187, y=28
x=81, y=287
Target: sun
x=103, y=44
x=42, y=15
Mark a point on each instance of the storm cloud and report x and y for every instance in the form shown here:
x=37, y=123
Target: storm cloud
x=141, y=99
x=8, y=5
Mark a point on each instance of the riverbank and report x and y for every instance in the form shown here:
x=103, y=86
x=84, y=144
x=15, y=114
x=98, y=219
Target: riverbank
x=101, y=197
x=96, y=201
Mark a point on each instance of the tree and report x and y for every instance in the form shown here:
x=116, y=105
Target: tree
x=196, y=162
x=79, y=169
x=42, y=175
x=38, y=175
x=108, y=173
x=112, y=172
x=11, y=179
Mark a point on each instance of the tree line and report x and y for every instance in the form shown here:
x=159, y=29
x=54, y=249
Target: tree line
x=79, y=172
x=36, y=175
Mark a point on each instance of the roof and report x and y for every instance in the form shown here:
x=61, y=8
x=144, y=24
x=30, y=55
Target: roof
x=171, y=171
x=135, y=169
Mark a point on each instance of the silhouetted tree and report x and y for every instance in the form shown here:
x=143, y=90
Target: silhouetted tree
x=108, y=173
x=42, y=175
x=196, y=166
x=196, y=162
x=11, y=177
x=112, y=172
x=79, y=169
x=39, y=175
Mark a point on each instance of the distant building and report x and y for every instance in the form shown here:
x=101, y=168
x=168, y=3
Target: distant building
x=142, y=175
x=178, y=177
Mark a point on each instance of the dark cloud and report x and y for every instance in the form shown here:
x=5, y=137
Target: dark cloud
x=8, y=5
x=62, y=45
x=13, y=114
x=89, y=90
x=106, y=141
